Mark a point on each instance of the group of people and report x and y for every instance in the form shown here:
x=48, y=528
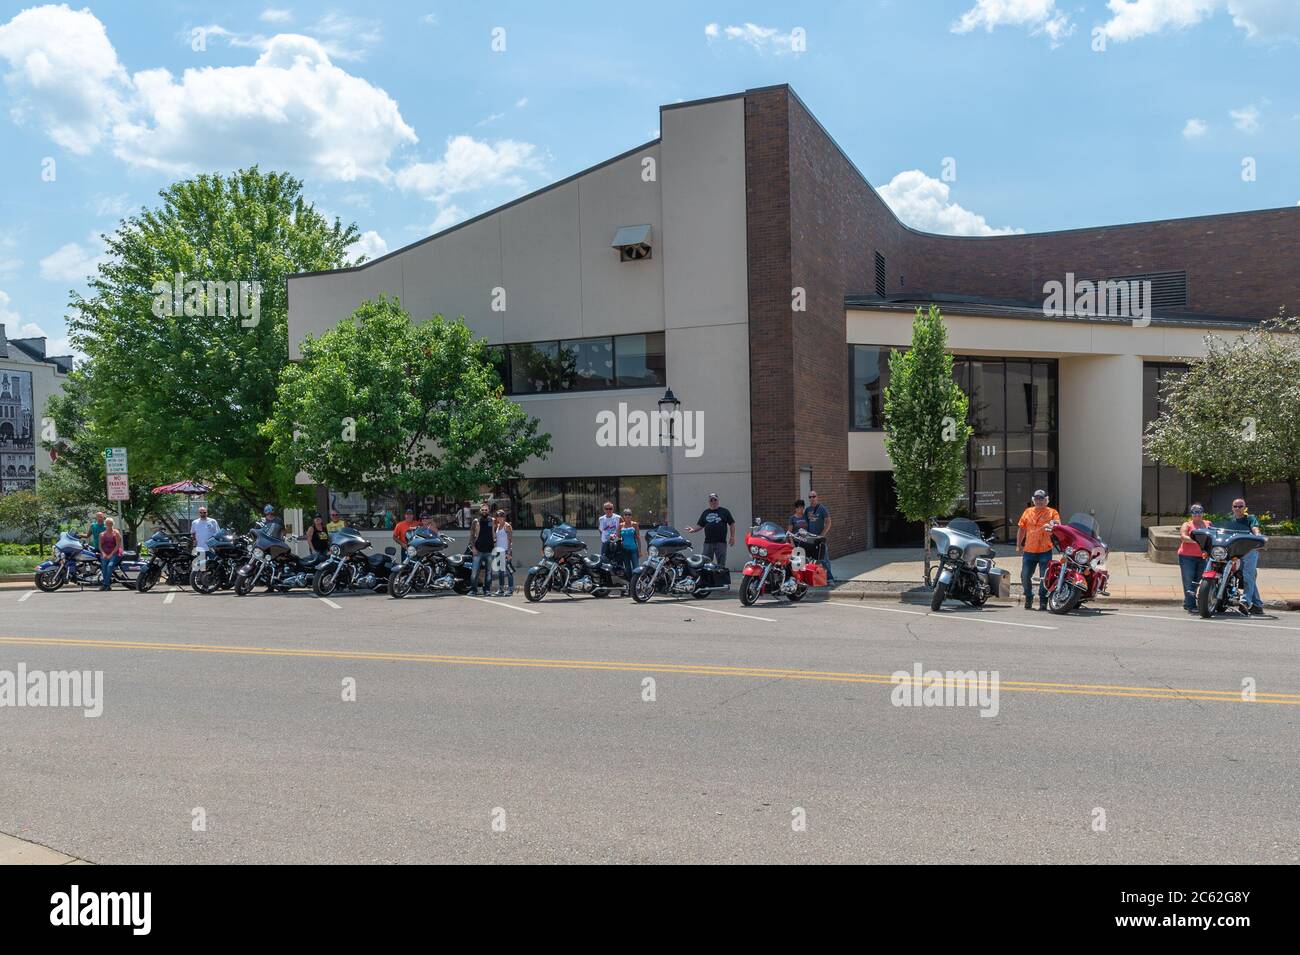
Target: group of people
x=1034, y=542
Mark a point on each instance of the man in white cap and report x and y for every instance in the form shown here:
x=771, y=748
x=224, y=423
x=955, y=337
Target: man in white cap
x=719, y=531
x=1034, y=540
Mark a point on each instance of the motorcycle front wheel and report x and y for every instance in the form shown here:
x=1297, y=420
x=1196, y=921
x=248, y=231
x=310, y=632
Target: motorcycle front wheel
x=323, y=587
x=642, y=587
x=1205, y=599
x=1061, y=604
x=206, y=581
x=399, y=585
x=799, y=593
x=749, y=591
x=535, y=587
x=50, y=580
x=939, y=596
x=148, y=577
x=243, y=584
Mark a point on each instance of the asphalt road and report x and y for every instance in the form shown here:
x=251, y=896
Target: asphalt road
x=483, y=732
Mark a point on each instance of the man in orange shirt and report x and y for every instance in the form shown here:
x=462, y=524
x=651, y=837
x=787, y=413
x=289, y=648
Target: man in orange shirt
x=1034, y=539
x=404, y=527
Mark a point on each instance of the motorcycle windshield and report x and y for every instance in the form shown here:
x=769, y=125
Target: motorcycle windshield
x=770, y=530
x=560, y=533
x=964, y=525
x=665, y=530
x=1085, y=523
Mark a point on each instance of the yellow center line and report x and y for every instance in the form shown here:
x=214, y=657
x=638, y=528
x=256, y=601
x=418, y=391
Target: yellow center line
x=688, y=669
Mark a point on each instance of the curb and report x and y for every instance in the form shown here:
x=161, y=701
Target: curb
x=921, y=595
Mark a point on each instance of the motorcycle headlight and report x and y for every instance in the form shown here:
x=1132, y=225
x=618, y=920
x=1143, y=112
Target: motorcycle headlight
x=1081, y=557
x=1219, y=553
x=753, y=549
x=334, y=550
x=410, y=552
x=258, y=553
x=762, y=552
x=954, y=552
x=1069, y=551
x=654, y=551
x=550, y=552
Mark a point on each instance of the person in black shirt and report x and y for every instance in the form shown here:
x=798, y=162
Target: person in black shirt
x=480, y=533
x=719, y=531
x=318, y=536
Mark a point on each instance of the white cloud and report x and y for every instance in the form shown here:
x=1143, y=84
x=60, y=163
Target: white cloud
x=1195, y=129
x=9, y=318
x=9, y=263
x=1041, y=16
x=111, y=206
x=488, y=120
x=273, y=15
x=447, y=217
x=292, y=107
x=64, y=75
x=761, y=38
x=922, y=202
x=1245, y=119
x=521, y=103
x=370, y=244
x=74, y=262
x=1261, y=19
x=469, y=164
x=431, y=19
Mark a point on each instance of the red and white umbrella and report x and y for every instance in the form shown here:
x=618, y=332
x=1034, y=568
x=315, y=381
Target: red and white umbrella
x=182, y=487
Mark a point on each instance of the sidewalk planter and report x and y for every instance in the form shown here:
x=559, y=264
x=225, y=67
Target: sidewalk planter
x=1279, y=553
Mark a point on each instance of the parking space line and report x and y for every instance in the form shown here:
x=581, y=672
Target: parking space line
x=329, y=603
x=1201, y=620
x=971, y=617
x=170, y=597
x=26, y=595
x=743, y=616
x=498, y=603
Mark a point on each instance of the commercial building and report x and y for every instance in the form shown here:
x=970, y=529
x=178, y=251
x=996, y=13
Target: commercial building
x=742, y=260
x=28, y=377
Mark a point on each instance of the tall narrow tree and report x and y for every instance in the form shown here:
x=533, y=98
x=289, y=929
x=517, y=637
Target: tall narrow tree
x=925, y=425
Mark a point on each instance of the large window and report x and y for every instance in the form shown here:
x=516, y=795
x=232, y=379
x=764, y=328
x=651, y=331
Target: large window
x=1013, y=408
x=582, y=364
x=540, y=502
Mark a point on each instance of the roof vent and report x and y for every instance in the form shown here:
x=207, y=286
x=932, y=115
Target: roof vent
x=1168, y=289
x=880, y=275
x=632, y=242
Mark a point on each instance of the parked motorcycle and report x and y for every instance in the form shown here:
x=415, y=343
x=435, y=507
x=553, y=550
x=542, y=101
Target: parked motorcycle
x=75, y=563
x=219, y=568
x=168, y=556
x=779, y=564
x=567, y=568
x=426, y=568
x=1223, y=585
x=274, y=563
x=671, y=569
x=349, y=567
x=965, y=570
x=1078, y=573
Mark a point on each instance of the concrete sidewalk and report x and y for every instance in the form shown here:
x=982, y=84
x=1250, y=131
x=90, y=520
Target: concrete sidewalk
x=1133, y=577
x=15, y=851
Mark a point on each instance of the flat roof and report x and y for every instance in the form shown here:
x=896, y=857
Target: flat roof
x=1005, y=308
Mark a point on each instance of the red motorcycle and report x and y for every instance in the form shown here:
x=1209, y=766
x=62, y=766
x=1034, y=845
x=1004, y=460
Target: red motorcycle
x=1078, y=573
x=779, y=564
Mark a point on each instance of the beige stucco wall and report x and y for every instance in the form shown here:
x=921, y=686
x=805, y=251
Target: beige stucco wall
x=551, y=254
x=1100, y=399
x=47, y=380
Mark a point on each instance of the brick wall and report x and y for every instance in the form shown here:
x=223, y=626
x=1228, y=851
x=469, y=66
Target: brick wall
x=815, y=222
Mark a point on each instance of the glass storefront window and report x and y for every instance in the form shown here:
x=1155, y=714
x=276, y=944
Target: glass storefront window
x=640, y=360
x=647, y=496
x=592, y=362
x=870, y=377
x=535, y=368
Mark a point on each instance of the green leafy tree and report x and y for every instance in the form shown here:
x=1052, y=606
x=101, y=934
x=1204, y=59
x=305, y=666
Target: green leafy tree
x=1233, y=414
x=926, y=431
x=187, y=389
x=380, y=404
x=32, y=515
x=76, y=481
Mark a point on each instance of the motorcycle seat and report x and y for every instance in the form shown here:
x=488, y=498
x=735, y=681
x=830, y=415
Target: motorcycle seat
x=130, y=555
x=591, y=560
x=695, y=561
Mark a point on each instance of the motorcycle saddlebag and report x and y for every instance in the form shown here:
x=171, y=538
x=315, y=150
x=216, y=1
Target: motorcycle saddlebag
x=813, y=575
x=999, y=584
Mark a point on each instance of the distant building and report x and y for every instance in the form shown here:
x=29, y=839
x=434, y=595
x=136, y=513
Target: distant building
x=28, y=377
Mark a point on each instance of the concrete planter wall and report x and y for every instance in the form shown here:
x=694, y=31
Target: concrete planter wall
x=1280, y=552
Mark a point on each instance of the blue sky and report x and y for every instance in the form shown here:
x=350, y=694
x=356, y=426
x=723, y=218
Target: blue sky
x=403, y=118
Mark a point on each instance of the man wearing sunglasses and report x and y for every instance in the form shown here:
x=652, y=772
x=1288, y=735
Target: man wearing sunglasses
x=1243, y=520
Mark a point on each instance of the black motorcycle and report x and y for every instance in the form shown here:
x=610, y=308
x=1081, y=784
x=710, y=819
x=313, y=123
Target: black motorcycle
x=168, y=556
x=219, y=568
x=75, y=563
x=1223, y=585
x=672, y=570
x=274, y=563
x=349, y=567
x=567, y=568
x=426, y=568
x=965, y=570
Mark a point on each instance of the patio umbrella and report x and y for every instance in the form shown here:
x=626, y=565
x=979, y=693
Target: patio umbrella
x=191, y=489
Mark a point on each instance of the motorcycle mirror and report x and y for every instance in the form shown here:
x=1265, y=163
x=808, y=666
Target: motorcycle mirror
x=390, y=550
